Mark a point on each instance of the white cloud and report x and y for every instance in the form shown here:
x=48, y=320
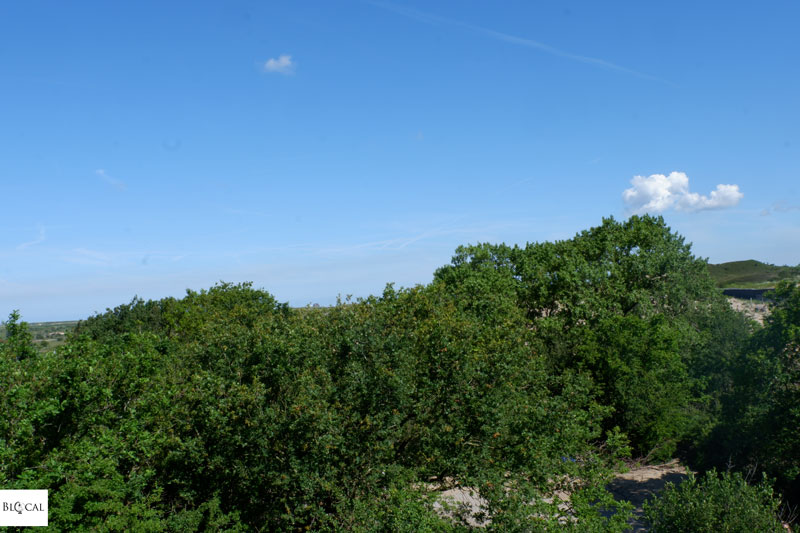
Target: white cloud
x=282, y=65
x=780, y=207
x=119, y=184
x=657, y=193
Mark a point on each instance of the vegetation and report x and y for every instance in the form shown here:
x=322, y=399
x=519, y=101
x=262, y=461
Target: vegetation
x=715, y=503
x=519, y=371
x=751, y=274
x=46, y=335
x=758, y=426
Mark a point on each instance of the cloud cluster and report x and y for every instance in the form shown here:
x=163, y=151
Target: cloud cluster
x=282, y=65
x=657, y=193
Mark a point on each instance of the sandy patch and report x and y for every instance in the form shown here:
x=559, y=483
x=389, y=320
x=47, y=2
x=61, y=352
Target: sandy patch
x=635, y=486
x=755, y=309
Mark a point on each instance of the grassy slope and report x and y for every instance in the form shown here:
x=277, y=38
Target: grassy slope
x=751, y=274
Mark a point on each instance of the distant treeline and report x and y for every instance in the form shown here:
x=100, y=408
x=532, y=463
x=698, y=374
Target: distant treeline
x=748, y=294
x=518, y=371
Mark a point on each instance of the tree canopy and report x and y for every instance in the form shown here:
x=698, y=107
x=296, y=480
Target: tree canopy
x=520, y=371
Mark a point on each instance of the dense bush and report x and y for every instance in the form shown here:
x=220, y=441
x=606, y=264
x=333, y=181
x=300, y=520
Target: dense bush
x=226, y=410
x=625, y=303
x=715, y=503
x=518, y=372
x=761, y=409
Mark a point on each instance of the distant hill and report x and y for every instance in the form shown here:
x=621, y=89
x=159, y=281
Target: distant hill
x=751, y=274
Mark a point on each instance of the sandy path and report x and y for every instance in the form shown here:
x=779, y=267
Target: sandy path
x=640, y=483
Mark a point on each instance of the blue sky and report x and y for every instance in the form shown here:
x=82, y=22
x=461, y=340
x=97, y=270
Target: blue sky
x=325, y=148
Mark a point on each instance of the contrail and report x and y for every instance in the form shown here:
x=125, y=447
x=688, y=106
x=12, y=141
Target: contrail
x=39, y=239
x=513, y=39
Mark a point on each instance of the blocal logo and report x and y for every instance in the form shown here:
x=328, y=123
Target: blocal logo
x=23, y=508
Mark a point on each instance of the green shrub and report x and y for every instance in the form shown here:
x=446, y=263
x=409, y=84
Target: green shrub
x=761, y=408
x=624, y=303
x=519, y=372
x=718, y=503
